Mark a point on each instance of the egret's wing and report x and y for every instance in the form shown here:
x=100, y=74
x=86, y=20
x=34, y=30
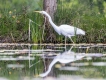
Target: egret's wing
x=67, y=30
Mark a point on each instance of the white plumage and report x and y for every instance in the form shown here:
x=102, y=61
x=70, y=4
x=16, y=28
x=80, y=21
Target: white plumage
x=65, y=57
x=65, y=30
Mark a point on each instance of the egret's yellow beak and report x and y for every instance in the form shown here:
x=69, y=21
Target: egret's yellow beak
x=37, y=11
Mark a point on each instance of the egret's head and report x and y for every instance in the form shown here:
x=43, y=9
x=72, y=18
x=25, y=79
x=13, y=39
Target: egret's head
x=41, y=12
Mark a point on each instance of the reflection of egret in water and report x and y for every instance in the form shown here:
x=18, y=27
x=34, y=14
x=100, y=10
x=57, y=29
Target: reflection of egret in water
x=65, y=57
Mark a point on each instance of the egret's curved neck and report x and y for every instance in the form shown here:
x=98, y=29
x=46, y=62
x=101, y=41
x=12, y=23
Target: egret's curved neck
x=50, y=67
x=53, y=25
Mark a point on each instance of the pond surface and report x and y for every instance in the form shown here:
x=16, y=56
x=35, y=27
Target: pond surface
x=52, y=62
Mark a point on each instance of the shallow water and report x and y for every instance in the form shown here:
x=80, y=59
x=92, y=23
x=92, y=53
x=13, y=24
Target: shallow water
x=31, y=62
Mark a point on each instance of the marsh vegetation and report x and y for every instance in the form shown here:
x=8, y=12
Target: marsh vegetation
x=88, y=15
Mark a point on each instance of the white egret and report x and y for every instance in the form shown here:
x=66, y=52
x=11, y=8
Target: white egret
x=66, y=30
x=65, y=57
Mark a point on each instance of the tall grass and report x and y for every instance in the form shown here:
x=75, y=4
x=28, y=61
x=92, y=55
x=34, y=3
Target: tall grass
x=14, y=19
x=81, y=15
x=89, y=16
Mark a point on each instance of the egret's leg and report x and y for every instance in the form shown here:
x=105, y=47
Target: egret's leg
x=71, y=40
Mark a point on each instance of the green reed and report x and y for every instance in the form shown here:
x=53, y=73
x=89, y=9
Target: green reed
x=89, y=16
x=81, y=15
x=14, y=19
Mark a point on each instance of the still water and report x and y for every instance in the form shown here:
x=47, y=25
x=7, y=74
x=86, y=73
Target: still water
x=52, y=62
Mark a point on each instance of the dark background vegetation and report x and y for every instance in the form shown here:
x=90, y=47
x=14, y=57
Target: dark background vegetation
x=89, y=15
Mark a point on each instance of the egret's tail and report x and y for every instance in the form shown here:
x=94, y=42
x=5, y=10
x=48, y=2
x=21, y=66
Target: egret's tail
x=80, y=32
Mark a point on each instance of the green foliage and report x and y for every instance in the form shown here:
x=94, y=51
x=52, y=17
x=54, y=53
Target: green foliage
x=14, y=18
x=88, y=15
